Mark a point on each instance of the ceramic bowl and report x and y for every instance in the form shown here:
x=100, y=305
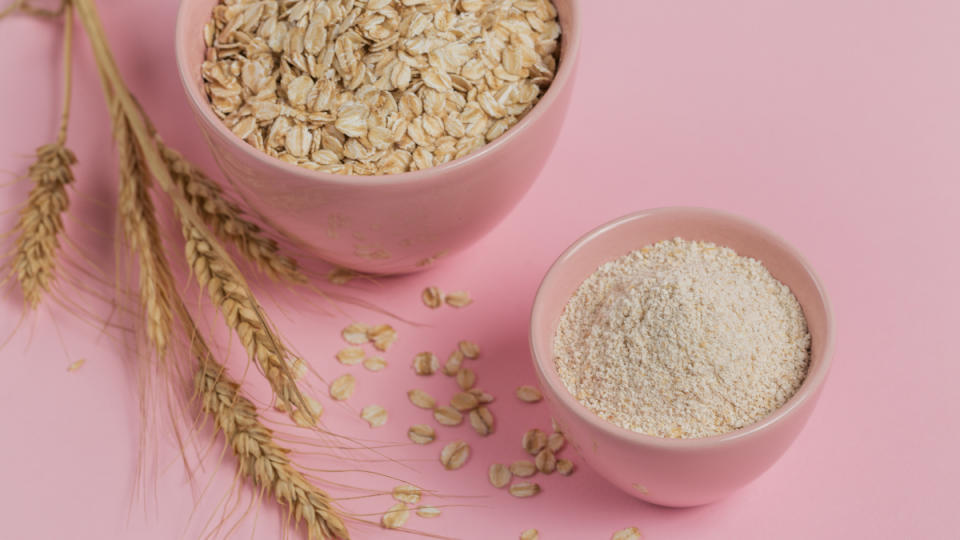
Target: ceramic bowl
x=679, y=472
x=392, y=223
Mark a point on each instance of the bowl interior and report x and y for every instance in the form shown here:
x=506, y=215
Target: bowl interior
x=634, y=231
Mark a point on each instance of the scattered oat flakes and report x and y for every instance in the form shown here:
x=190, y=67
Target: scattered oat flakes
x=374, y=363
x=425, y=363
x=407, y=493
x=342, y=387
x=383, y=336
x=481, y=419
x=466, y=378
x=529, y=394
x=422, y=399
x=447, y=416
x=350, y=356
x=458, y=299
x=421, y=434
x=464, y=401
x=428, y=512
x=523, y=468
x=632, y=533
x=76, y=365
x=534, y=441
x=375, y=415
x=556, y=442
x=524, y=489
x=499, y=475
x=530, y=534
x=546, y=461
x=452, y=367
x=356, y=334
x=432, y=297
x=565, y=467
x=454, y=455
x=469, y=349
x=396, y=516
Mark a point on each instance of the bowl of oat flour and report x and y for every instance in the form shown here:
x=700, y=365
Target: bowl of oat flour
x=681, y=350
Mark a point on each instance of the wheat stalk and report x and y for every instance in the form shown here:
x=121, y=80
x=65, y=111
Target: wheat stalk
x=41, y=222
x=228, y=220
x=259, y=458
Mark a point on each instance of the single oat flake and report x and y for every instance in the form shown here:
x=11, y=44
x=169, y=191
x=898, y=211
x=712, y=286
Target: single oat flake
x=565, y=467
x=454, y=363
x=432, y=297
x=356, y=334
x=499, y=475
x=447, y=416
x=421, y=434
x=454, y=455
x=422, y=399
x=556, y=442
x=382, y=336
x=407, y=493
x=524, y=489
x=396, y=516
x=546, y=461
x=523, y=468
x=351, y=356
x=374, y=363
x=529, y=394
x=458, y=299
x=425, y=363
x=534, y=441
x=342, y=387
x=469, y=349
x=481, y=420
x=530, y=534
x=631, y=533
x=428, y=512
x=375, y=415
x=466, y=378
x=464, y=401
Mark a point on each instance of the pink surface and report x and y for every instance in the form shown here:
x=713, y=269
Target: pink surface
x=836, y=124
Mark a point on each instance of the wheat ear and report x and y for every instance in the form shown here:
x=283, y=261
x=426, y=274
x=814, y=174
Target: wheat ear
x=40, y=223
x=142, y=233
x=259, y=458
x=231, y=295
x=228, y=220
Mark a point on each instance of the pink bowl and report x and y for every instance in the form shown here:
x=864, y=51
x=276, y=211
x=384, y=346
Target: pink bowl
x=385, y=224
x=679, y=472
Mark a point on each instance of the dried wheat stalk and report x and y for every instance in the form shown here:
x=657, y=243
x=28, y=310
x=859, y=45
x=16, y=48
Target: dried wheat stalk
x=40, y=223
x=228, y=220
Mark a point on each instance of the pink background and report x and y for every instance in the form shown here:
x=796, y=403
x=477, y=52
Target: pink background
x=835, y=123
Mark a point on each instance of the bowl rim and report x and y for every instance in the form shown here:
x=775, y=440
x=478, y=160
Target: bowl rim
x=808, y=389
x=570, y=48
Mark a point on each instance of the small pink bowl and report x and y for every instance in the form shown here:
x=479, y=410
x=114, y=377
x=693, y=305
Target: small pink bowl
x=679, y=472
x=385, y=224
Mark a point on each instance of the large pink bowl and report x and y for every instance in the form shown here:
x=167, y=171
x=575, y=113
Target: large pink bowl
x=679, y=472
x=385, y=224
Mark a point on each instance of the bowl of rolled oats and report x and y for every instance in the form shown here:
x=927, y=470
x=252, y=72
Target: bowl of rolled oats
x=382, y=135
x=681, y=351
